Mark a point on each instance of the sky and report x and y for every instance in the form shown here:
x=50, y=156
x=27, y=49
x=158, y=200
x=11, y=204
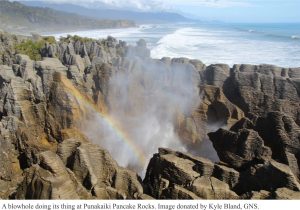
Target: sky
x=221, y=10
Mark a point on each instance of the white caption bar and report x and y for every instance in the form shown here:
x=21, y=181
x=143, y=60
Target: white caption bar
x=148, y=205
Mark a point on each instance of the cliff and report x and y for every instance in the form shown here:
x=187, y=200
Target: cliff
x=250, y=113
x=103, y=11
x=19, y=18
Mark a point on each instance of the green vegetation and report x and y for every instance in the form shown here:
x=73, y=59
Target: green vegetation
x=33, y=48
x=76, y=38
x=49, y=39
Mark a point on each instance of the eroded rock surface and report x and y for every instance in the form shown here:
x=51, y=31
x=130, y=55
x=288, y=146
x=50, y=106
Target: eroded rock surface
x=176, y=175
x=254, y=155
x=44, y=156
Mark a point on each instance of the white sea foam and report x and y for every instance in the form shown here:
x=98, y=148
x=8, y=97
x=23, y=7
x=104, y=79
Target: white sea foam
x=102, y=33
x=130, y=35
x=208, y=44
x=221, y=46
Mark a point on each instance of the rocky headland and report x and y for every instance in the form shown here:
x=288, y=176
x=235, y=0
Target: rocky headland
x=249, y=113
x=19, y=18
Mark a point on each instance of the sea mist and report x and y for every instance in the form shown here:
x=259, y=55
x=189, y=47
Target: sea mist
x=145, y=97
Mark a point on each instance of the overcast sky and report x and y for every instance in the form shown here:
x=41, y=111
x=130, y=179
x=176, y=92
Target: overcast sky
x=224, y=10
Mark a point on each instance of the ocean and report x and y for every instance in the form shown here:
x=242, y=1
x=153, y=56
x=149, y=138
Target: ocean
x=276, y=43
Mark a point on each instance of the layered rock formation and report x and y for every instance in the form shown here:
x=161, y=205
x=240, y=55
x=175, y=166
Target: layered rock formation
x=43, y=155
x=178, y=175
x=250, y=112
x=261, y=89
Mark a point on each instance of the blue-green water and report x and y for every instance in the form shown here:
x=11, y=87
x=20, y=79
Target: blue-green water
x=277, y=44
x=278, y=31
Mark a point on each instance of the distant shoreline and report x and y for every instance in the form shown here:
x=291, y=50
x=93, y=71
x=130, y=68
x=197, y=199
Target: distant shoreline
x=20, y=19
x=67, y=32
x=58, y=31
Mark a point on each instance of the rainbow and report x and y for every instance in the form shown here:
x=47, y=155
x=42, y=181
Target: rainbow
x=112, y=123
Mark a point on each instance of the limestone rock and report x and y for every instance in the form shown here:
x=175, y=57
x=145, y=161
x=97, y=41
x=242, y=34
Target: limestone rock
x=45, y=156
x=262, y=89
x=243, y=148
x=212, y=188
x=8, y=44
x=219, y=110
x=128, y=183
x=176, y=175
x=227, y=175
x=257, y=195
x=92, y=166
x=48, y=180
x=198, y=65
x=286, y=194
x=178, y=193
x=10, y=174
x=215, y=74
x=214, y=111
x=267, y=177
x=240, y=149
x=282, y=135
x=25, y=68
x=95, y=169
x=282, y=175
